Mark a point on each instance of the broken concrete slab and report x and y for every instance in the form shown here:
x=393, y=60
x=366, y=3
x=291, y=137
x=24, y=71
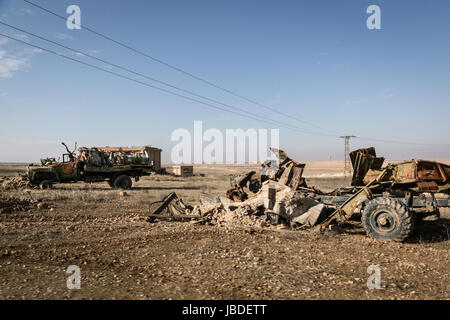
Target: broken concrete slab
x=311, y=217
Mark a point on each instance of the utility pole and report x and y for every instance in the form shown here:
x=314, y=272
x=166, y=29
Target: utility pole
x=347, y=153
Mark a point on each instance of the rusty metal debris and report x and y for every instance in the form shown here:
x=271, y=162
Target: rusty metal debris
x=364, y=160
x=249, y=180
x=394, y=198
x=388, y=201
x=172, y=208
x=272, y=204
x=287, y=171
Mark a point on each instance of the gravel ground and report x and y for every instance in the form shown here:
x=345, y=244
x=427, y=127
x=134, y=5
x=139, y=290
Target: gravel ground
x=122, y=256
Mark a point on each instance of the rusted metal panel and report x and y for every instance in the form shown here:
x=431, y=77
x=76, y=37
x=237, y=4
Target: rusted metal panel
x=68, y=168
x=370, y=175
x=364, y=160
x=404, y=172
x=171, y=207
x=292, y=175
x=296, y=180
x=348, y=208
x=427, y=186
x=415, y=171
x=445, y=171
x=430, y=171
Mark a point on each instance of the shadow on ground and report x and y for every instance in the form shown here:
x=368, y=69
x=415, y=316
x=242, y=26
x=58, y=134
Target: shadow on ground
x=431, y=231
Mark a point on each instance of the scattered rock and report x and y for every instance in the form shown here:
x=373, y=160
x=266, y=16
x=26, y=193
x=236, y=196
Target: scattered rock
x=42, y=206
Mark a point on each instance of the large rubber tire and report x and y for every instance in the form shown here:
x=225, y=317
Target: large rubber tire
x=45, y=184
x=123, y=182
x=387, y=219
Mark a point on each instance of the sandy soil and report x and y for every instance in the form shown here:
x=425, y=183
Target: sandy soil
x=122, y=256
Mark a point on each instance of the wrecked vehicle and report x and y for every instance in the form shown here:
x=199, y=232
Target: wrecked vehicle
x=286, y=171
x=387, y=201
x=91, y=165
x=391, y=200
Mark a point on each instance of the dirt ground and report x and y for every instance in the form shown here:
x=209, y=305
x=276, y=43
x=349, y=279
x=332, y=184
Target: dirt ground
x=122, y=256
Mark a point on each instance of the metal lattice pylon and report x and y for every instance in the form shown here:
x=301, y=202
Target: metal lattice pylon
x=347, y=153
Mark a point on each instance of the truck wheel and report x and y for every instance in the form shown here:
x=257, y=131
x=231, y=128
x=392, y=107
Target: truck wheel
x=123, y=182
x=387, y=219
x=46, y=184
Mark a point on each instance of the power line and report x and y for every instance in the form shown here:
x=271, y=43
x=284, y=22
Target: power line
x=140, y=82
x=156, y=80
x=184, y=71
x=218, y=87
x=257, y=118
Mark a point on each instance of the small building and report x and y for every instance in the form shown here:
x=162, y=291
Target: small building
x=182, y=170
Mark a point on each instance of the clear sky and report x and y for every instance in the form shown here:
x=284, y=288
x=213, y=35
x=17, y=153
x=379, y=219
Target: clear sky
x=316, y=60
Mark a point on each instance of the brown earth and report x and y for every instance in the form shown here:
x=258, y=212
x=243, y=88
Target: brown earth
x=122, y=256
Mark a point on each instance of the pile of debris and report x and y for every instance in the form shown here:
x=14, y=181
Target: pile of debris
x=7, y=183
x=387, y=201
x=285, y=171
x=277, y=194
x=272, y=204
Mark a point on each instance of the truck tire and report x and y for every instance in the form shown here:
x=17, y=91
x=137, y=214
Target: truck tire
x=123, y=182
x=45, y=184
x=387, y=219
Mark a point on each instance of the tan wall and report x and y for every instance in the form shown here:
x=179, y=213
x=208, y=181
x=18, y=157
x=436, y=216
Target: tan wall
x=155, y=156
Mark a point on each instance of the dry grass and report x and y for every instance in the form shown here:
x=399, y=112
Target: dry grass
x=11, y=170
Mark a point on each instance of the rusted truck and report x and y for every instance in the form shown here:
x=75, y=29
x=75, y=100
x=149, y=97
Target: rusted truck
x=116, y=166
x=390, y=200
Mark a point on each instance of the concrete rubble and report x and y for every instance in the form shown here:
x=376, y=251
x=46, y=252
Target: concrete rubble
x=278, y=194
x=274, y=203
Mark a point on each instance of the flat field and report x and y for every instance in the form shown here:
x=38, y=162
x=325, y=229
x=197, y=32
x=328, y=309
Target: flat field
x=122, y=256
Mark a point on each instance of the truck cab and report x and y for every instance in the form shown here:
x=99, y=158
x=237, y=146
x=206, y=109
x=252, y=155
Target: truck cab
x=51, y=171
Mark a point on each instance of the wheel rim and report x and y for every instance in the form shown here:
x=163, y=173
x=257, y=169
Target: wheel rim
x=123, y=183
x=383, y=221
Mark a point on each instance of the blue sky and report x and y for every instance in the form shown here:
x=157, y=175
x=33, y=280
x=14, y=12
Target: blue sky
x=316, y=60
